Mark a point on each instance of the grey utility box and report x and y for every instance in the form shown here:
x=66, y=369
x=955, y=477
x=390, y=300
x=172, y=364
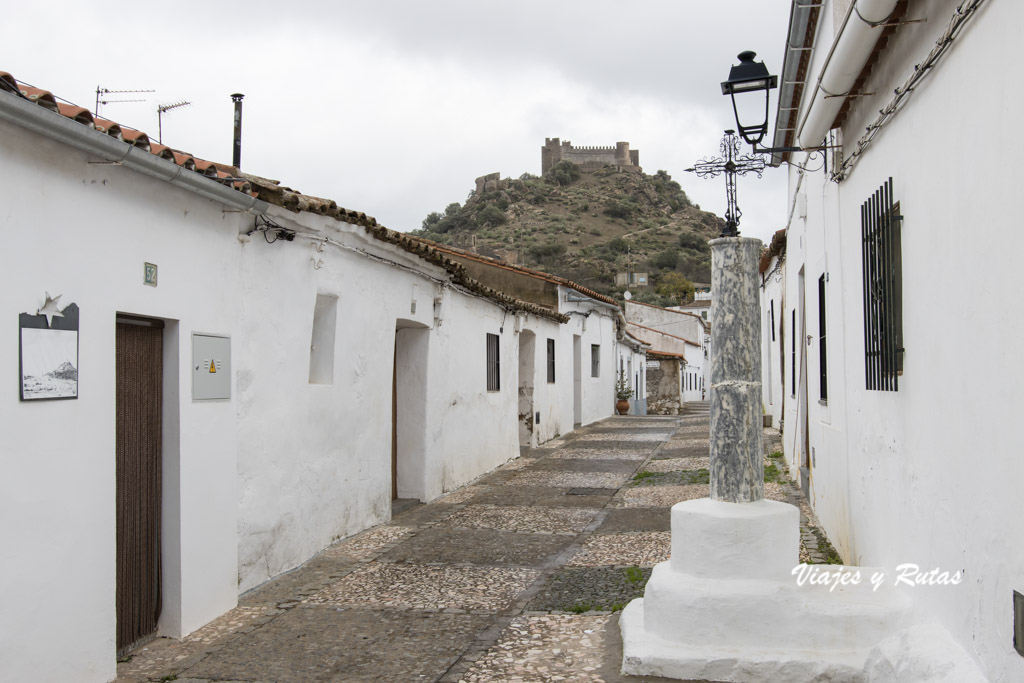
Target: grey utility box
x=211, y=367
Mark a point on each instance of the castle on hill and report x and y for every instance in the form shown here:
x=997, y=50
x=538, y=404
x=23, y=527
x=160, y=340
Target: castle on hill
x=588, y=158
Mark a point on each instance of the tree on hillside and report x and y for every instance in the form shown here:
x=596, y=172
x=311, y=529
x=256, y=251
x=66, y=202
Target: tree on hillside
x=675, y=286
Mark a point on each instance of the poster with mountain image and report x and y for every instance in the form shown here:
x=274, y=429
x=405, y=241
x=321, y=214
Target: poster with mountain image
x=49, y=356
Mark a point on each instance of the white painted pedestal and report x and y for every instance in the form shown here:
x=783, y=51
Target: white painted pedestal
x=726, y=606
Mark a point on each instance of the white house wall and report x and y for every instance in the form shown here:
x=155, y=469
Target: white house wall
x=84, y=231
x=316, y=458
x=928, y=474
x=598, y=393
x=772, y=338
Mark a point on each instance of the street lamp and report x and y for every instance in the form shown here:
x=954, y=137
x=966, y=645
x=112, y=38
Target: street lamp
x=746, y=79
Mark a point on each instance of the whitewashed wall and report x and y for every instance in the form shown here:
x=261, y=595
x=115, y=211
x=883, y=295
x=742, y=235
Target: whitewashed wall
x=774, y=344
x=929, y=474
x=315, y=462
x=632, y=361
x=84, y=231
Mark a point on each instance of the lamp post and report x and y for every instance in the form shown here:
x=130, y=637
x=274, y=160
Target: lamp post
x=748, y=82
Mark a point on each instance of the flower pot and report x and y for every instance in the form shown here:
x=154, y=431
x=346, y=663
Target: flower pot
x=622, y=406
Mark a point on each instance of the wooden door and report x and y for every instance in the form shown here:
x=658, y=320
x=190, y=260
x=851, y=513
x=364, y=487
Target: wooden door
x=139, y=390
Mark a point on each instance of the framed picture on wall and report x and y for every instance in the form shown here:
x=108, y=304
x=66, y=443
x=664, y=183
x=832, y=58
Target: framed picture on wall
x=48, y=355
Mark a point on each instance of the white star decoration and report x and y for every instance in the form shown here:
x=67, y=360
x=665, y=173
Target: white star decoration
x=50, y=309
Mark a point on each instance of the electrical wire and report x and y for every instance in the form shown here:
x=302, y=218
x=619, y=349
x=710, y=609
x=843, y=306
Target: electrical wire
x=963, y=14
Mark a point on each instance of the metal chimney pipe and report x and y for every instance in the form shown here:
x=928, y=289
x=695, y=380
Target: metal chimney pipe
x=236, y=159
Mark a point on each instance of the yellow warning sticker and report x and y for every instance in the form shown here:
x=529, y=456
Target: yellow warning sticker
x=213, y=366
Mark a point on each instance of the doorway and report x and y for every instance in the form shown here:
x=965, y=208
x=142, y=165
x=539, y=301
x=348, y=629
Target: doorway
x=409, y=412
x=577, y=381
x=527, y=354
x=138, y=460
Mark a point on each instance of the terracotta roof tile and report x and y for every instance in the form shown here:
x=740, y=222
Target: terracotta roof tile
x=43, y=98
x=136, y=138
x=776, y=248
x=107, y=126
x=73, y=111
x=8, y=83
x=541, y=275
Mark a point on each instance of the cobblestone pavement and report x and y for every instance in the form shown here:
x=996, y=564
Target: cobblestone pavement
x=518, y=576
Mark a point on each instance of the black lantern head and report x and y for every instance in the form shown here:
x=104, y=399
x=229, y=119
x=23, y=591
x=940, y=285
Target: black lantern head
x=746, y=78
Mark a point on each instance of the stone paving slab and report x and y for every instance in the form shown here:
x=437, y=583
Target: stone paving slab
x=477, y=546
x=570, y=479
x=676, y=464
x=690, y=442
x=621, y=444
x=691, y=452
x=427, y=587
x=309, y=645
x=635, y=549
x=585, y=589
x=622, y=435
x=620, y=466
x=623, y=520
x=369, y=544
x=550, y=647
x=659, y=496
x=526, y=519
x=540, y=495
x=598, y=454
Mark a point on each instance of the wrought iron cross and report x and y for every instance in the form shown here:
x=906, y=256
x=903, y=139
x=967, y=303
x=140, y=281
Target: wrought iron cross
x=731, y=164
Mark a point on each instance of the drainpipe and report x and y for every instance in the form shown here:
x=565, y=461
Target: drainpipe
x=236, y=158
x=850, y=52
x=31, y=116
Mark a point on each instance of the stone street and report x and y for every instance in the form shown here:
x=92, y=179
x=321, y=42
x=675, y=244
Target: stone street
x=519, y=576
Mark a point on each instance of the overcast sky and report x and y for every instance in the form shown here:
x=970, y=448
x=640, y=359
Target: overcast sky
x=393, y=107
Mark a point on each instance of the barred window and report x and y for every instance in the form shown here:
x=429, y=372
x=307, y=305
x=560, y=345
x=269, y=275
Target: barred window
x=595, y=360
x=551, y=361
x=493, y=364
x=883, y=290
x=822, y=349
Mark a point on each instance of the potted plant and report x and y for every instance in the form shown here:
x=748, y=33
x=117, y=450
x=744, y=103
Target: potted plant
x=623, y=392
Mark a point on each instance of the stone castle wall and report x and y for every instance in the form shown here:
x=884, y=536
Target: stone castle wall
x=588, y=158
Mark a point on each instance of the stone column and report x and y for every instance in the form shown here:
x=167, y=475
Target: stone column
x=737, y=469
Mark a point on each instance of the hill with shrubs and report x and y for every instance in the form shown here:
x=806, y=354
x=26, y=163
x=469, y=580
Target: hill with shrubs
x=588, y=226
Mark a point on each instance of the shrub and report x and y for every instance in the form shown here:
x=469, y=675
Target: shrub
x=615, y=209
x=491, y=215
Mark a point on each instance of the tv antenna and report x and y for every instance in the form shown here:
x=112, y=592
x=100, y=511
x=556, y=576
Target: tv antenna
x=160, y=116
x=107, y=91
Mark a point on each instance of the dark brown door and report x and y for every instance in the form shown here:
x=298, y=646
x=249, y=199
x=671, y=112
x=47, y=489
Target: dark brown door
x=138, y=395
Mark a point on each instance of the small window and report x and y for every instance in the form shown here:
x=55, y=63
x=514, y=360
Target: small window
x=772, y=317
x=595, y=360
x=321, y=345
x=551, y=361
x=493, y=364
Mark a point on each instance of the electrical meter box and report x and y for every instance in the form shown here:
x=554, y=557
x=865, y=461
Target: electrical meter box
x=211, y=367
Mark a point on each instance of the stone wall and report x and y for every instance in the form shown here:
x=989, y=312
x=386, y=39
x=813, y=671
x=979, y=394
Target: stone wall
x=588, y=158
x=663, y=387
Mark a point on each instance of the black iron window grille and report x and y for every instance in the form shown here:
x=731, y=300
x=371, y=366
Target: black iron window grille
x=493, y=364
x=595, y=360
x=883, y=290
x=822, y=348
x=551, y=361
x=792, y=353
